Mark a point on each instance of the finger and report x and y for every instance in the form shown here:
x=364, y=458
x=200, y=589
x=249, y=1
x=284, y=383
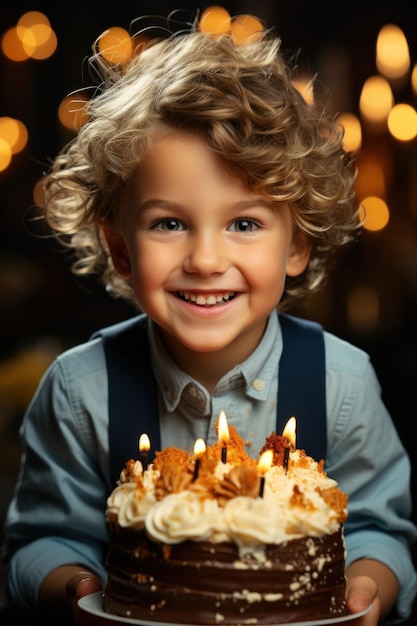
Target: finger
x=78, y=586
x=362, y=592
x=372, y=617
x=74, y=581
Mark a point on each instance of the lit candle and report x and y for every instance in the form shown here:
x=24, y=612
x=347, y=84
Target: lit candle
x=264, y=464
x=223, y=434
x=289, y=434
x=144, y=446
x=199, y=449
x=289, y=431
x=286, y=457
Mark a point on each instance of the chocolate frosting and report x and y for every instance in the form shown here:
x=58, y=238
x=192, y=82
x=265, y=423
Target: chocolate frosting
x=211, y=583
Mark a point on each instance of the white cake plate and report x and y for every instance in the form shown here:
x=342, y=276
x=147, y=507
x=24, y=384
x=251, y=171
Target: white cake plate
x=93, y=614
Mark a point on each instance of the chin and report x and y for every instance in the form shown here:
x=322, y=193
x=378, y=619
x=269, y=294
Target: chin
x=205, y=347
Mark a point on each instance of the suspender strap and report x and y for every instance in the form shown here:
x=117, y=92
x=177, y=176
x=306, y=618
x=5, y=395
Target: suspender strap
x=133, y=405
x=302, y=384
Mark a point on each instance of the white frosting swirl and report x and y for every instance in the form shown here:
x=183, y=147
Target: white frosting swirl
x=291, y=506
x=181, y=516
x=248, y=520
x=129, y=505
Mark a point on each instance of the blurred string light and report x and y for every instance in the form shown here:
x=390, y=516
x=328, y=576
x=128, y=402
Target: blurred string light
x=216, y=18
x=304, y=85
x=115, y=45
x=13, y=139
x=402, y=122
x=380, y=114
x=31, y=38
x=352, y=140
x=375, y=212
x=392, y=54
x=5, y=154
x=71, y=112
x=375, y=102
x=371, y=178
x=414, y=79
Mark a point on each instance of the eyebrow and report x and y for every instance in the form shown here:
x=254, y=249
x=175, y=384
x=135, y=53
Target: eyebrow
x=157, y=202
x=172, y=205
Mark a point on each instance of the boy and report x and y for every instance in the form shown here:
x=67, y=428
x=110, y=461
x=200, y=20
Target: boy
x=205, y=191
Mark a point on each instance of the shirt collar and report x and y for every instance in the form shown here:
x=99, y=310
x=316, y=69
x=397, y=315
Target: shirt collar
x=261, y=368
x=256, y=373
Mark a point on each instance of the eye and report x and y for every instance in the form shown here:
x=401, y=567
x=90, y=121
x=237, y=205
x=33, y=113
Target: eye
x=244, y=225
x=168, y=224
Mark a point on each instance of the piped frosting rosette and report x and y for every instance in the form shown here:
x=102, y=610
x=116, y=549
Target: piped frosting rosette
x=223, y=503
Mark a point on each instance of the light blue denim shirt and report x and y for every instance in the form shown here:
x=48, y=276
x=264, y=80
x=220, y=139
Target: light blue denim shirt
x=57, y=514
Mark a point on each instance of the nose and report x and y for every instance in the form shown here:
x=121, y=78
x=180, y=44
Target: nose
x=206, y=254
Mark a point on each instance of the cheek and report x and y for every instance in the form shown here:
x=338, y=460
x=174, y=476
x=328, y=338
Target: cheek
x=148, y=270
x=266, y=267
x=269, y=282
x=144, y=271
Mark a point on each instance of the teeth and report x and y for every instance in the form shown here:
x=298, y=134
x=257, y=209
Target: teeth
x=206, y=300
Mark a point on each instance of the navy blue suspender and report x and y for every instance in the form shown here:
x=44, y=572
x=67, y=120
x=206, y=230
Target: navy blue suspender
x=133, y=405
x=133, y=399
x=302, y=384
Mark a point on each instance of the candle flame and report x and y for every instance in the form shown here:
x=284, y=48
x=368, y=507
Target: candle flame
x=144, y=443
x=223, y=428
x=265, y=461
x=289, y=431
x=199, y=447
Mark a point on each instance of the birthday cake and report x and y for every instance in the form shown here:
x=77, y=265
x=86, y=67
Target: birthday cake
x=205, y=539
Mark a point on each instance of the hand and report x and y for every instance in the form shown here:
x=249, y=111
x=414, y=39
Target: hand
x=361, y=591
x=79, y=585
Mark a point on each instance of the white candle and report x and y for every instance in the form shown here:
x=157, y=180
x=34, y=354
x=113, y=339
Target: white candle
x=264, y=464
x=223, y=434
x=199, y=449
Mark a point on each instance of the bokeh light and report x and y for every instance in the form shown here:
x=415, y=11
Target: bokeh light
x=215, y=20
x=304, y=85
x=71, y=112
x=402, y=122
x=392, y=53
x=376, y=101
x=246, y=28
x=352, y=139
x=115, y=45
x=14, y=132
x=32, y=37
x=5, y=154
x=414, y=79
x=375, y=212
x=371, y=178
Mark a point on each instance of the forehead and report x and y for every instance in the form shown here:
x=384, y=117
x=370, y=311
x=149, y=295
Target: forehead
x=180, y=158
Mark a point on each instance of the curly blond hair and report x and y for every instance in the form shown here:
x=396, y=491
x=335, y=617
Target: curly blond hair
x=242, y=101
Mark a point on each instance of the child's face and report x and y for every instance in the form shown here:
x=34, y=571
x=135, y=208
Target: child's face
x=207, y=257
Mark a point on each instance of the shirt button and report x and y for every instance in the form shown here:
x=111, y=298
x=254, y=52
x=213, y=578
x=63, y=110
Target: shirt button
x=258, y=384
x=192, y=391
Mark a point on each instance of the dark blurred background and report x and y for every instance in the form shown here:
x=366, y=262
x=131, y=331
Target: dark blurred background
x=371, y=298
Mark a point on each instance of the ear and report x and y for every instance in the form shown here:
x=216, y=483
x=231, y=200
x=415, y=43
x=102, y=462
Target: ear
x=299, y=254
x=118, y=250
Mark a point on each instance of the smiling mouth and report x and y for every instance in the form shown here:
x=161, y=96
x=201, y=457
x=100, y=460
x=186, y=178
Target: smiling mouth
x=207, y=300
